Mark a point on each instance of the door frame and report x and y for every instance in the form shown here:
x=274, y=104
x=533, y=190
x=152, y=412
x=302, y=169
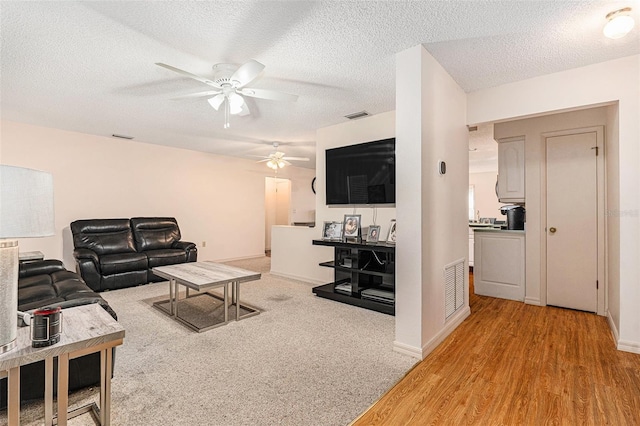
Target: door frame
x=601, y=209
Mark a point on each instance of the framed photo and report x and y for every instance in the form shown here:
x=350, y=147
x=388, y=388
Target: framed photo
x=391, y=238
x=374, y=234
x=351, y=227
x=332, y=231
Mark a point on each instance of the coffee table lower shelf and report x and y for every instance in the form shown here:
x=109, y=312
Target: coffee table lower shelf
x=327, y=291
x=205, y=310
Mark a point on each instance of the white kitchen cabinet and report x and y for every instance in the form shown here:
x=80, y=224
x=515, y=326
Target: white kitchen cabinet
x=511, y=170
x=499, y=268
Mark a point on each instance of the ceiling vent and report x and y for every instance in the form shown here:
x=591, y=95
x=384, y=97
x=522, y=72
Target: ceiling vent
x=357, y=115
x=122, y=136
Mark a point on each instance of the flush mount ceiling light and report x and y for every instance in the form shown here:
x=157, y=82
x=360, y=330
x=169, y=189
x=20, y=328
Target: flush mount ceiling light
x=620, y=23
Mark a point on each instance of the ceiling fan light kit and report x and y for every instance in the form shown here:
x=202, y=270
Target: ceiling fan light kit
x=619, y=23
x=228, y=84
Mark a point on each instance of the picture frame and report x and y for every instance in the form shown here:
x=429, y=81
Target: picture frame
x=373, y=235
x=391, y=237
x=332, y=230
x=351, y=225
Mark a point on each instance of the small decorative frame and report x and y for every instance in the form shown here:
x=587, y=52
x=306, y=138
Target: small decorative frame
x=351, y=227
x=332, y=230
x=391, y=238
x=374, y=233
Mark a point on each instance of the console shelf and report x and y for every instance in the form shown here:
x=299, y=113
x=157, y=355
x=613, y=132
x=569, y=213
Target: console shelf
x=366, y=267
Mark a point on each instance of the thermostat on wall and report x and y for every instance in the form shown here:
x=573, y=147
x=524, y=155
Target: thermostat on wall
x=442, y=167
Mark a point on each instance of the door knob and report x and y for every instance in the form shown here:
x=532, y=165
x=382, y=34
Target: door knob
x=552, y=230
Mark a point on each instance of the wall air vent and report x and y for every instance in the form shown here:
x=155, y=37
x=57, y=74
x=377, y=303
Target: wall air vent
x=121, y=136
x=472, y=128
x=357, y=115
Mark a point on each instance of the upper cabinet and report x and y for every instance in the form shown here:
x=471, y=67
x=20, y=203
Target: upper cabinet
x=510, y=187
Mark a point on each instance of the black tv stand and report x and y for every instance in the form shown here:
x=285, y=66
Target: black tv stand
x=364, y=275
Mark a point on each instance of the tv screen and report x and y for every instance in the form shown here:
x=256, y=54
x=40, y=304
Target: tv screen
x=362, y=174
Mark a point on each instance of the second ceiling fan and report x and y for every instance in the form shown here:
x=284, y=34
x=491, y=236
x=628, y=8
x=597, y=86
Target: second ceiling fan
x=277, y=159
x=228, y=87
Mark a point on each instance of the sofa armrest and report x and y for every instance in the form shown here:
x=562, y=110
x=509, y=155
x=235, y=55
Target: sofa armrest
x=83, y=253
x=40, y=267
x=88, y=266
x=189, y=248
x=24, y=318
x=183, y=245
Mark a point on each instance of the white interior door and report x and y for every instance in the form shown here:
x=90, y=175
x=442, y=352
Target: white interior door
x=572, y=221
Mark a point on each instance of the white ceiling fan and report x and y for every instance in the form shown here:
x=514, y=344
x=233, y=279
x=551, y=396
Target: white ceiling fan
x=277, y=159
x=228, y=87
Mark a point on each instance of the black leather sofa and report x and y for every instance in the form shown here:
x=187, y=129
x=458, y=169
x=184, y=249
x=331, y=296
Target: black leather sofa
x=118, y=253
x=48, y=283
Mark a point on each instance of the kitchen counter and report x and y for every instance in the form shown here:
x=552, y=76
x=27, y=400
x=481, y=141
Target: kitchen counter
x=502, y=231
x=499, y=264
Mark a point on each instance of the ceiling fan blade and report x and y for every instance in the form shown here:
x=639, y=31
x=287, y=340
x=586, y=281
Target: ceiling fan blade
x=216, y=101
x=262, y=161
x=188, y=74
x=269, y=94
x=247, y=72
x=198, y=95
x=285, y=162
x=296, y=158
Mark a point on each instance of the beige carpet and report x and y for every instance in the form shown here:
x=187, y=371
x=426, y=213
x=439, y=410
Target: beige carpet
x=302, y=361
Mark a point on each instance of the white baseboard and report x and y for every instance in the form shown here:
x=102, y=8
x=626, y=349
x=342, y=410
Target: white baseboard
x=232, y=259
x=612, y=326
x=404, y=349
x=533, y=301
x=421, y=353
x=628, y=346
x=452, y=324
x=622, y=345
x=296, y=277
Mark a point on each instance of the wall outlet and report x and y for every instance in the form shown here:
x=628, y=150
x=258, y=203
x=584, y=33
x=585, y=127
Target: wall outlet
x=204, y=244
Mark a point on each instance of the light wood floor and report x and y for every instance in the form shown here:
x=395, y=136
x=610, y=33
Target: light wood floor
x=516, y=364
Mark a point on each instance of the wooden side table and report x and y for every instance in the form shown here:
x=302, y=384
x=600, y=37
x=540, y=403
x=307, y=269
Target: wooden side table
x=85, y=330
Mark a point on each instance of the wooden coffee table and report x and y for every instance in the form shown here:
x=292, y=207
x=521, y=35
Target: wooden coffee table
x=202, y=277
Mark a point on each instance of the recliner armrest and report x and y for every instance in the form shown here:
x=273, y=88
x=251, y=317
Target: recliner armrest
x=24, y=317
x=40, y=267
x=83, y=253
x=183, y=245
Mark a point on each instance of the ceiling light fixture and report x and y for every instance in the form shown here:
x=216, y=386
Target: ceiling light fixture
x=619, y=23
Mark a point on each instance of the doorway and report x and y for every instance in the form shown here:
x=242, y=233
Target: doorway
x=574, y=218
x=277, y=206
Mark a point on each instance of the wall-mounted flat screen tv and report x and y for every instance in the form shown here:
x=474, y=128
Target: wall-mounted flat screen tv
x=362, y=174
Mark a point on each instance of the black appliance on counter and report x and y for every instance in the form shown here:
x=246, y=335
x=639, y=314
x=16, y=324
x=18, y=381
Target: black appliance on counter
x=515, y=216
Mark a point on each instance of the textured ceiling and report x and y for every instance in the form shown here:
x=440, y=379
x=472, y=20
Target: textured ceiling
x=89, y=66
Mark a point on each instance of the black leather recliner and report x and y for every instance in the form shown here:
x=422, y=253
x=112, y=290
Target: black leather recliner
x=117, y=253
x=47, y=283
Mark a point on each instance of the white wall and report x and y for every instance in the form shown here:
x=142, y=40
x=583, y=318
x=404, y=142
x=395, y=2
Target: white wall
x=485, y=197
x=532, y=130
x=215, y=199
x=602, y=83
x=294, y=258
x=431, y=209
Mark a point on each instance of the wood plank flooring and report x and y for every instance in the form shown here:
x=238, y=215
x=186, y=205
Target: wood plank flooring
x=516, y=364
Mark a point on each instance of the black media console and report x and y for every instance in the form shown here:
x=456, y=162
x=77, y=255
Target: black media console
x=364, y=275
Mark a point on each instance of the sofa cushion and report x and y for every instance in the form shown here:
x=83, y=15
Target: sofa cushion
x=155, y=233
x=122, y=262
x=39, y=303
x=42, y=291
x=165, y=257
x=66, y=288
x=36, y=280
x=103, y=236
